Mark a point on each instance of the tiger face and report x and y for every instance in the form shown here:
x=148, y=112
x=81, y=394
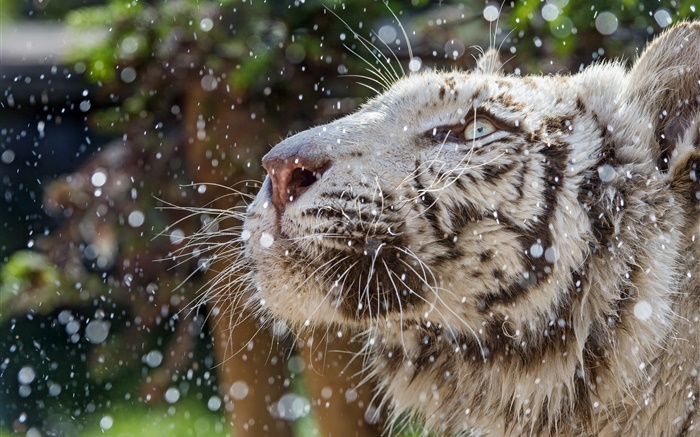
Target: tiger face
x=486, y=226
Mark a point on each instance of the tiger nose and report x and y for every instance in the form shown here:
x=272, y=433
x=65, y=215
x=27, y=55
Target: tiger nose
x=291, y=176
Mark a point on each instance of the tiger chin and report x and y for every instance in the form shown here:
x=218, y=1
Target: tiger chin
x=521, y=252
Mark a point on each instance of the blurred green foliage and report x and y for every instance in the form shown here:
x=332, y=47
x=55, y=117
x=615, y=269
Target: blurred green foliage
x=245, y=47
x=582, y=31
x=8, y=9
x=251, y=47
x=189, y=418
x=31, y=284
x=43, y=10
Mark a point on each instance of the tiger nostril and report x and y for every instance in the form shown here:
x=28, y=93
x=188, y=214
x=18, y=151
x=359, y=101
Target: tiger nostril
x=302, y=178
x=291, y=177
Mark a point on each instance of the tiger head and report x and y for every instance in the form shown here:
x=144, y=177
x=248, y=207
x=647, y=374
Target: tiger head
x=481, y=224
x=455, y=195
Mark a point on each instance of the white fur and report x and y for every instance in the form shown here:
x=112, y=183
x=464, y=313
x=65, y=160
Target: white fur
x=583, y=355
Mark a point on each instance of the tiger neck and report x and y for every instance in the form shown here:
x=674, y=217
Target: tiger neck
x=603, y=336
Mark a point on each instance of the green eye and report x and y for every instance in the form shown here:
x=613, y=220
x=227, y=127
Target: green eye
x=478, y=128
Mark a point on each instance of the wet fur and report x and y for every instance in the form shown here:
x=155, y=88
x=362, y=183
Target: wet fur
x=541, y=281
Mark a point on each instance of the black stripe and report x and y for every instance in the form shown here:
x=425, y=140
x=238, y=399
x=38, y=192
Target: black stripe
x=555, y=157
x=494, y=173
x=430, y=206
x=591, y=192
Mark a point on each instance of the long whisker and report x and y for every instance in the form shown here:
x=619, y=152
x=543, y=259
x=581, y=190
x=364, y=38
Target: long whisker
x=372, y=49
x=396, y=74
x=378, y=73
x=403, y=31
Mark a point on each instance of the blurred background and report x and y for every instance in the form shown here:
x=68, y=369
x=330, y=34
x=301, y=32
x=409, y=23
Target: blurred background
x=112, y=110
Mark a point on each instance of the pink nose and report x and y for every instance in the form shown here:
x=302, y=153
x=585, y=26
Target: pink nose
x=291, y=177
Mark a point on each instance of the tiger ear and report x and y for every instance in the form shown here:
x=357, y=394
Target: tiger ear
x=489, y=62
x=665, y=83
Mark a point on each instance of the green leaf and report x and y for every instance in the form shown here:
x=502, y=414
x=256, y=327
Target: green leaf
x=28, y=283
x=31, y=283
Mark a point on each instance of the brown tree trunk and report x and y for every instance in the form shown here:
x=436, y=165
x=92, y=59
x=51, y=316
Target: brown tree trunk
x=222, y=139
x=342, y=406
x=251, y=374
x=225, y=145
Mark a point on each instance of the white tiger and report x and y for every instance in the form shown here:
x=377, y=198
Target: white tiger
x=522, y=251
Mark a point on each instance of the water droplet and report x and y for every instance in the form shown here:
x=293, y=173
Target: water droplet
x=99, y=178
x=295, y=365
x=54, y=389
x=128, y=75
x=292, y=407
x=214, y=403
x=663, y=17
x=536, y=250
x=326, y=392
x=279, y=328
x=26, y=375
x=136, y=219
x=387, y=33
x=245, y=235
x=24, y=391
x=550, y=12
x=606, y=173
x=239, y=390
x=491, y=13
x=372, y=415
x=177, y=236
x=550, y=255
x=7, y=156
x=415, y=64
x=106, y=422
x=72, y=327
x=266, y=239
x=97, y=331
x=454, y=48
x=606, y=23
x=64, y=317
x=129, y=45
x=209, y=83
x=350, y=395
x=153, y=358
x=206, y=24
x=171, y=395
x=562, y=29
x=642, y=310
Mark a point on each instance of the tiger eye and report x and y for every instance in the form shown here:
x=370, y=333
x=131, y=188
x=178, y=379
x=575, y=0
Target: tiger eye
x=478, y=128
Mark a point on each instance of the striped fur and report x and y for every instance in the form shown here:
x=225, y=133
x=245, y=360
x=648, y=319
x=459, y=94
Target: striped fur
x=541, y=280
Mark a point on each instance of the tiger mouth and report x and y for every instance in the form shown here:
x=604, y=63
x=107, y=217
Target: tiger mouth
x=361, y=275
x=374, y=280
